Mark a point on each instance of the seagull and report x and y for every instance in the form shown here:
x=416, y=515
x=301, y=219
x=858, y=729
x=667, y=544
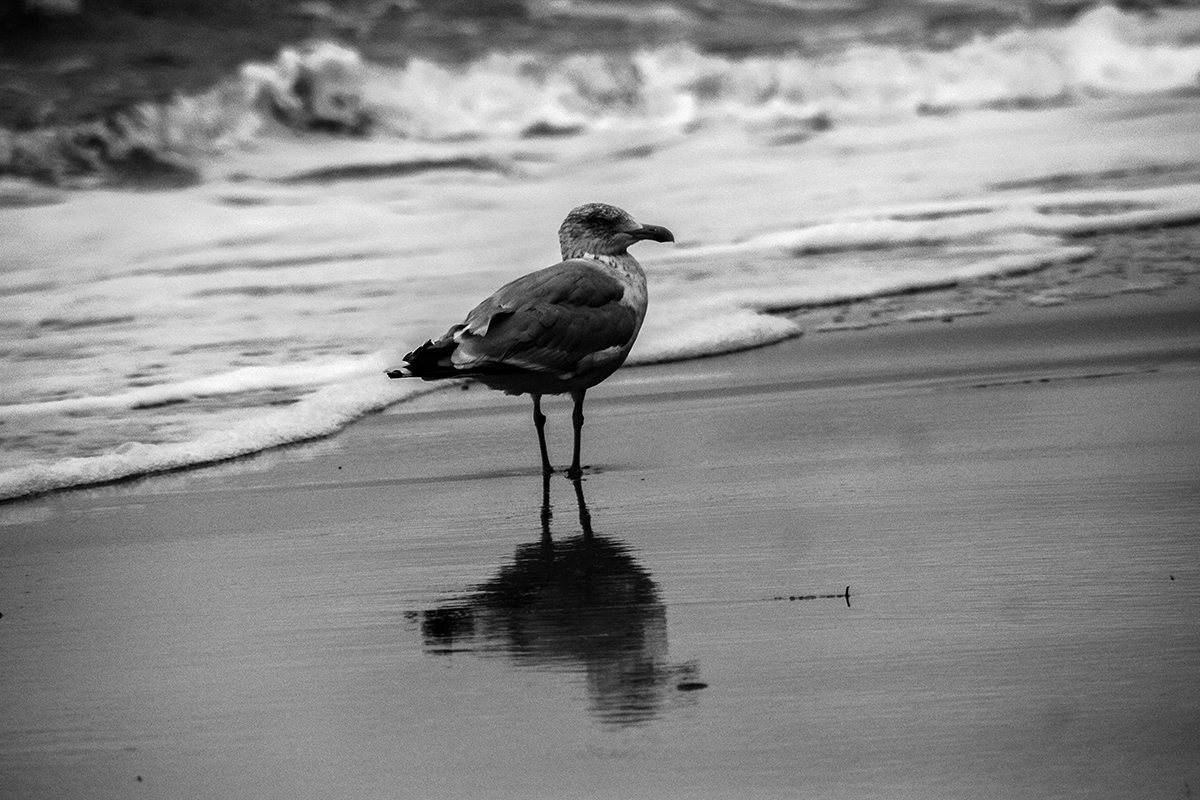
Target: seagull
x=560, y=330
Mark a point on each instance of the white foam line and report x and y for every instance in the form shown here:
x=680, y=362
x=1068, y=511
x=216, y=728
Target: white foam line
x=977, y=220
x=681, y=332
x=317, y=415
x=774, y=301
x=1184, y=195
x=245, y=379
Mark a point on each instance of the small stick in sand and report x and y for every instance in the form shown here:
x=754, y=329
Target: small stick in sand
x=792, y=597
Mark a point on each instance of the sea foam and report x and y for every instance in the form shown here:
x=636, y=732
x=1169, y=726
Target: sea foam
x=502, y=95
x=506, y=94
x=317, y=414
x=245, y=379
x=706, y=299
x=150, y=331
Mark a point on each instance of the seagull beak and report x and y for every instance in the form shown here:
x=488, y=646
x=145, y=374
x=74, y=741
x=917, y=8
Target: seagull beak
x=655, y=233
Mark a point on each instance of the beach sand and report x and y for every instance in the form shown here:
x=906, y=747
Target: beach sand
x=1012, y=500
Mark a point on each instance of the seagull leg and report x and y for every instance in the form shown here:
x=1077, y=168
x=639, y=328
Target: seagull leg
x=577, y=420
x=539, y=422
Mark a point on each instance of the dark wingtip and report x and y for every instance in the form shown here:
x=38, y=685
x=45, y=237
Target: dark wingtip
x=409, y=357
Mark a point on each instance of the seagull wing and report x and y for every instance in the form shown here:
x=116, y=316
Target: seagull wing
x=558, y=320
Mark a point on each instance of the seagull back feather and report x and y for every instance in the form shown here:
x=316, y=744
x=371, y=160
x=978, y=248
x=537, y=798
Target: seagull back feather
x=548, y=321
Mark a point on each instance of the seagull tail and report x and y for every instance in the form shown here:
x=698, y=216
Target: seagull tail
x=430, y=362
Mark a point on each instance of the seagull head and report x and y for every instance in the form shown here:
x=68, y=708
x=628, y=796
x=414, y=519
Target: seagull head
x=599, y=229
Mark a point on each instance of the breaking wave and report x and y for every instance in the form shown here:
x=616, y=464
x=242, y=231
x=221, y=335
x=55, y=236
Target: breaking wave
x=327, y=86
x=1103, y=51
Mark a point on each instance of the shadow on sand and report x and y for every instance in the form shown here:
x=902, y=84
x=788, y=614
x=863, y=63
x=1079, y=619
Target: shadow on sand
x=582, y=604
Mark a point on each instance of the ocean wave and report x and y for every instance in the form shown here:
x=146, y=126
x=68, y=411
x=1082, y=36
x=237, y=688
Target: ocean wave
x=1103, y=51
x=513, y=94
x=318, y=414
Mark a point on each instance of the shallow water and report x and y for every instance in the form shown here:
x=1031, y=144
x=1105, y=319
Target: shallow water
x=152, y=330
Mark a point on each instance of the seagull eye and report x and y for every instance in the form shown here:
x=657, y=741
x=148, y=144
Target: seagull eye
x=605, y=220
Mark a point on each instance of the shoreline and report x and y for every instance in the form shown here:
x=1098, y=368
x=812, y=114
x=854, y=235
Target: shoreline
x=1170, y=310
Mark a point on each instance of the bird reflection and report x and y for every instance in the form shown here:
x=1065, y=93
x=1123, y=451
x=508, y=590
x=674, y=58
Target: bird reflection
x=578, y=603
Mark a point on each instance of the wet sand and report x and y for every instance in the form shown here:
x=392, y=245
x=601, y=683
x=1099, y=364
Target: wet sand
x=1011, y=498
